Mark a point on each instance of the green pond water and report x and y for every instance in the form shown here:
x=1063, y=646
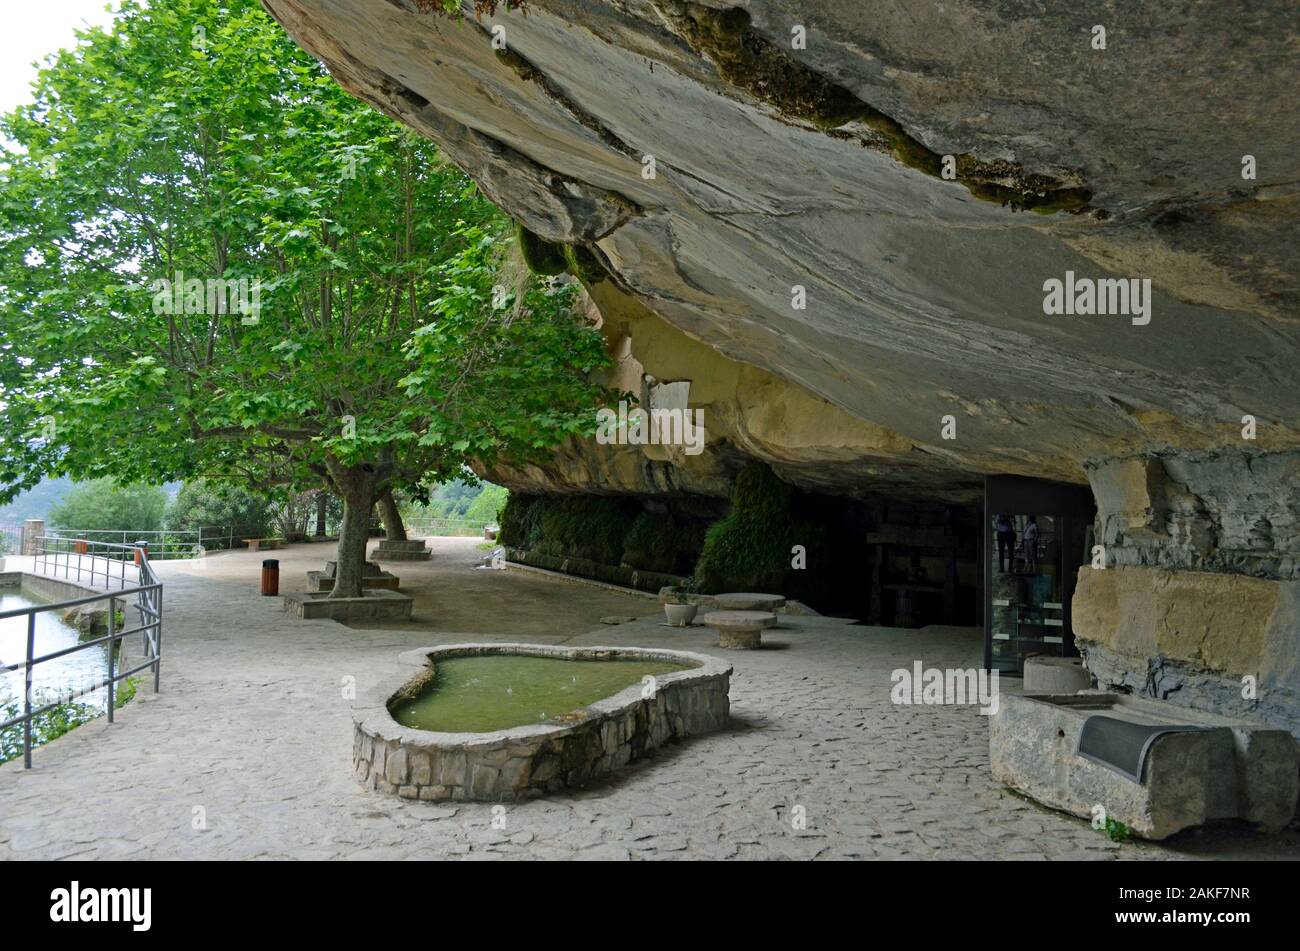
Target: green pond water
x=498, y=691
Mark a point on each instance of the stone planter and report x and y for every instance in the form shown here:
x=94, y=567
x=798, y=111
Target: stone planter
x=1228, y=769
x=681, y=615
x=1055, y=675
x=372, y=576
x=374, y=605
x=410, y=550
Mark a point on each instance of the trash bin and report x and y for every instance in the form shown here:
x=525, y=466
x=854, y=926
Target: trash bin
x=270, y=577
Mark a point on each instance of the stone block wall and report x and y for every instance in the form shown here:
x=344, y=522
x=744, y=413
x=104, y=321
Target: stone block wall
x=1200, y=598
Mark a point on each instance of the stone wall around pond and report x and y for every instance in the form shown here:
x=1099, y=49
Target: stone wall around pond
x=529, y=761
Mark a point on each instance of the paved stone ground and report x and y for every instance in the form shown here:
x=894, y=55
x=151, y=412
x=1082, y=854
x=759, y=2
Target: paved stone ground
x=252, y=734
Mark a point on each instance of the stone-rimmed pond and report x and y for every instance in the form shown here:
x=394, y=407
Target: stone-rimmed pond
x=635, y=711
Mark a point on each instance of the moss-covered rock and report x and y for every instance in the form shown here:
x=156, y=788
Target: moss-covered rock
x=521, y=521
x=542, y=256
x=664, y=543
x=748, y=60
x=583, y=264
x=570, y=526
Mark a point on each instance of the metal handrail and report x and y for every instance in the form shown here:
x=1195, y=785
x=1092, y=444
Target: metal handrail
x=148, y=591
x=431, y=525
x=164, y=544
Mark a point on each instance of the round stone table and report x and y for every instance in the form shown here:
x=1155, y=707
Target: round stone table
x=740, y=630
x=749, y=601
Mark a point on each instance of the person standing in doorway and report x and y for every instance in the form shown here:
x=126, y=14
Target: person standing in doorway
x=1006, y=542
x=1029, y=541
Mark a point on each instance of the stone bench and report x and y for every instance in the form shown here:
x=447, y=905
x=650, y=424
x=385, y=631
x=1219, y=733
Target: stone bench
x=257, y=544
x=740, y=630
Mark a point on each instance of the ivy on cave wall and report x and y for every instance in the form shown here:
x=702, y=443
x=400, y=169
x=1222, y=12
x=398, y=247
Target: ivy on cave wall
x=749, y=548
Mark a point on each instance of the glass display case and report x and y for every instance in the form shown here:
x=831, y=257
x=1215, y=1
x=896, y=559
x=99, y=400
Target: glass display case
x=1037, y=536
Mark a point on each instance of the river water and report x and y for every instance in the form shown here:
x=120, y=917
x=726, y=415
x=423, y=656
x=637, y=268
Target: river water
x=65, y=676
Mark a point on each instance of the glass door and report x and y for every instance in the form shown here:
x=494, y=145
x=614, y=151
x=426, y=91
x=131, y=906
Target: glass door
x=1036, y=536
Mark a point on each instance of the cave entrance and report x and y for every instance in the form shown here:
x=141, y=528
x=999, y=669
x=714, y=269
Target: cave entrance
x=913, y=561
x=1036, y=535
x=921, y=564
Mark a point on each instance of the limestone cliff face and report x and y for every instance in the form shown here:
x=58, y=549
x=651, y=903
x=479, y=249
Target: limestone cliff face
x=747, y=412
x=823, y=168
x=836, y=223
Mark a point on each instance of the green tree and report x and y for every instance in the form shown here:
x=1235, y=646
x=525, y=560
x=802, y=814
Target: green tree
x=487, y=503
x=103, y=505
x=214, y=262
x=203, y=502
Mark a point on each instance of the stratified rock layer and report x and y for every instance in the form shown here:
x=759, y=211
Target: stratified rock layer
x=767, y=233
x=777, y=167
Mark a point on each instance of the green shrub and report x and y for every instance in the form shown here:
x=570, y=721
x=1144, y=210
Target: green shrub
x=103, y=504
x=201, y=502
x=749, y=548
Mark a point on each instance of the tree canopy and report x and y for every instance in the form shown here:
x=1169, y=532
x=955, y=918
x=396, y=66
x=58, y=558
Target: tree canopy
x=201, y=503
x=214, y=262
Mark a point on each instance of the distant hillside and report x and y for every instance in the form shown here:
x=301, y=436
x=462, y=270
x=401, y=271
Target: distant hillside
x=36, y=502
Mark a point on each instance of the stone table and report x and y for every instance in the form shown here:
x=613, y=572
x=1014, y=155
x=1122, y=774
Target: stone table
x=749, y=601
x=740, y=630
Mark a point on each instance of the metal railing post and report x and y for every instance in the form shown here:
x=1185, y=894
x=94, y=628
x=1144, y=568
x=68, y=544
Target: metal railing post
x=112, y=629
x=27, y=692
x=157, y=642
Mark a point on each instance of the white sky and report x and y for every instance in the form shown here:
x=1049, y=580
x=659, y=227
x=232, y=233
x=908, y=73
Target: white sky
x=34, y=28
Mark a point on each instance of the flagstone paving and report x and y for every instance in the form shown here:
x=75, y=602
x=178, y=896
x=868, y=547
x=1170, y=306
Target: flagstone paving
x=246, y=751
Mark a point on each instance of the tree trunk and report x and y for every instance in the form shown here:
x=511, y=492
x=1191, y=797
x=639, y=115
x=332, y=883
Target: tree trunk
x=357, y=486
x=321, y=501
x=393, y=527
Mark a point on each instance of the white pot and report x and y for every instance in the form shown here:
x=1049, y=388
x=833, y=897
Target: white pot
x=680, y=615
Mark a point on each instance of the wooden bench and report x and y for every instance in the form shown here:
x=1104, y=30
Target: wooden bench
x=257, y=544
x=740, y=630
